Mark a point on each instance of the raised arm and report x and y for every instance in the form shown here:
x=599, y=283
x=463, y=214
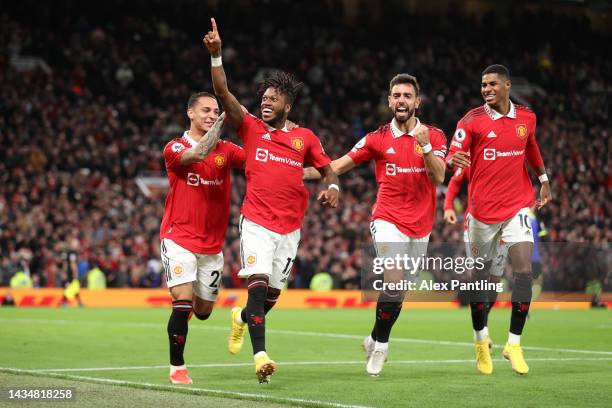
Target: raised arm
x=232, y=107
x=339, y=166
x=206, y=144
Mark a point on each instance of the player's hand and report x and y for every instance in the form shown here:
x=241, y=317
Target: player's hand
x=329, y=197
x=212, y=40
x=291, y=125
x=421, y=134
x=450, y=216
x=460, y=159
x=545, y=195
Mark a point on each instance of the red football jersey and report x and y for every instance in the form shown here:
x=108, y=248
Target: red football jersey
x=198, y=203
x=406, y=195
x=498, y=145
x=276, y=197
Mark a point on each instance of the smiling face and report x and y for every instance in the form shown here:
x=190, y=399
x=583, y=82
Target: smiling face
x=203, y=114
x=403, y=102
x=495, y=89
x=274, y=106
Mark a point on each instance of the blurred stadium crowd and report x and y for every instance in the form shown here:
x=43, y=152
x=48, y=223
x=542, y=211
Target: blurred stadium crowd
x=88, y=100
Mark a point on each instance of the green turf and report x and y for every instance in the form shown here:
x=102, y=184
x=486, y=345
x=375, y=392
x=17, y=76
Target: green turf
x=35, y=339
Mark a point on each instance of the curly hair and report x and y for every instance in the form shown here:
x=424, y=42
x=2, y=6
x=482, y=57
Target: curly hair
x=284, y=82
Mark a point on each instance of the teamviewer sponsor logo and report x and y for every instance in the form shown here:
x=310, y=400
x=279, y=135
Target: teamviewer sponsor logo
x=193, y=179
x=489, y=154
x=261, y=155
x=393, y=169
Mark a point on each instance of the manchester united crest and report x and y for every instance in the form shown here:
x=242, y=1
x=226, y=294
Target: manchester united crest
x=418, y=149
x=521, y=131
x=220, y=160
x=297, y=143
x=178, y=270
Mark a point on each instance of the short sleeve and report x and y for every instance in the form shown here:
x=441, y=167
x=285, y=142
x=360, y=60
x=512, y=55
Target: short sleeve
x=315, y=155
x=248, y=123
x=363, y=150
x=237, y=155
x=173, y=153
x=462, y=139
x=438, y=143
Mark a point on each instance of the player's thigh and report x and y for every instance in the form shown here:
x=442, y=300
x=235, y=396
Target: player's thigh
x=388, y=240
x=180, y=264
x=498, y=266
x=483, y=238
x=257, y=249
x=520, y=255
x=283, y=259
x=517, y=234
x=208, y=282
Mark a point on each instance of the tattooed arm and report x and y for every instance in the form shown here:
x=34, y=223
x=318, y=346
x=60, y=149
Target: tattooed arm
x=206, y=144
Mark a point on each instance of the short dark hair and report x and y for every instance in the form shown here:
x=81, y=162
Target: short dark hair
x=194, y=98
x=284, y=83
x=498, y=69
x=405, y=79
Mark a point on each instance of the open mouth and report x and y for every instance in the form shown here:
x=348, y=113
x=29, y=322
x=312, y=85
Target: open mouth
x=489, y=97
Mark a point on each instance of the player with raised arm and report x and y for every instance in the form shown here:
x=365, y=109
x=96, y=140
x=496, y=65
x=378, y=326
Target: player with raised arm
x=276, y=198
x=409, y=157
x=494, y=140
x=195, y=220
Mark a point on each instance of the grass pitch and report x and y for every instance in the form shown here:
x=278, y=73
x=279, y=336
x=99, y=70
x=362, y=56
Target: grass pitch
x=119, y=357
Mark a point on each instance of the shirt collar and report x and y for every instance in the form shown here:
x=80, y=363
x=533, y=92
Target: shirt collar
x=189, y=139
x=284, y=129
x=496, y=115
x=398, y=133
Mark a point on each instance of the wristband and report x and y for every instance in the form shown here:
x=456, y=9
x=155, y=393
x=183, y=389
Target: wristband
x=427, y=148
x=216, y=61
x=543, y=178
x=334, y=186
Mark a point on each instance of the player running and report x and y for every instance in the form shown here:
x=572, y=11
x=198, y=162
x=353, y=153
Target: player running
x=276, y=198
x=494, y=140
x=195, y=220
x=499, y=264
x=409, y=157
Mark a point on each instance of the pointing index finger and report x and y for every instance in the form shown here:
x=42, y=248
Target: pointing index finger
x=214, y=25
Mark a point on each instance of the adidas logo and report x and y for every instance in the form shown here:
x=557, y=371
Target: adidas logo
x=390, y=150
x=491, y=135
x=266, y=137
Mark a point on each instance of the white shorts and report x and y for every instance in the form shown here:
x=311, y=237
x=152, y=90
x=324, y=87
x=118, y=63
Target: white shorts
x=484, y=239
x=499, y=263
x=182, y=266
x=265, y=252
x=389, y=241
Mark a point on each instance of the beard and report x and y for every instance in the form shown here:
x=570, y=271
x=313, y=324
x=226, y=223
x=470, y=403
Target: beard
x=409, y=113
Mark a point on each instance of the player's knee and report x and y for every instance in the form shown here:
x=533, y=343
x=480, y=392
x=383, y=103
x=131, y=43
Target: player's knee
x=523, y=277
x=202, y=316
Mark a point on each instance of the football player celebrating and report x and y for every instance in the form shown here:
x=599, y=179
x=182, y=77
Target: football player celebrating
x=195, y=220
x=494, y=140
x=409, y=157
x=276, y=198
x=499, y=263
